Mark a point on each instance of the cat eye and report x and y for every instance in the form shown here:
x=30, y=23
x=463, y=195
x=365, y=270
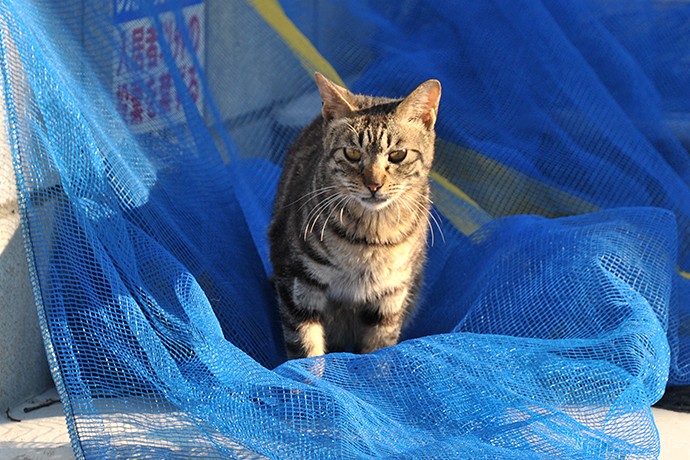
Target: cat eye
x=397, y=156
x=352, y=154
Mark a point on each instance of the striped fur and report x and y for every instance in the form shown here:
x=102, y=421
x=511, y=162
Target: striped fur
x=350, y=221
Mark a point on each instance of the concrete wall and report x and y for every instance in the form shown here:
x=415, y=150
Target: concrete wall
x=23, y=365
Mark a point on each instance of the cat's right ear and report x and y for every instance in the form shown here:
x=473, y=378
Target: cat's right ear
x=336, y=100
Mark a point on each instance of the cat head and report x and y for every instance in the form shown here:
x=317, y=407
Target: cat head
x=378, y=149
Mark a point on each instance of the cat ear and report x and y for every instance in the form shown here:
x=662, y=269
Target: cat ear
x=422, y=103
x=337, y=101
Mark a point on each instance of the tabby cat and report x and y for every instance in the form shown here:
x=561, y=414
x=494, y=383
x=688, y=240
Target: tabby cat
x=350, y=220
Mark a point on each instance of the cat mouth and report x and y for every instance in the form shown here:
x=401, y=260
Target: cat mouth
x=375, y=202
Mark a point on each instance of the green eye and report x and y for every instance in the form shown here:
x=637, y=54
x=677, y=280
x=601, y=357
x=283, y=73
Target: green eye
x=352, y=154
x=397, y=156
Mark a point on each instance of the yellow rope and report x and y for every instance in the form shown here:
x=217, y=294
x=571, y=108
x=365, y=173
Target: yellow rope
x=309, y=57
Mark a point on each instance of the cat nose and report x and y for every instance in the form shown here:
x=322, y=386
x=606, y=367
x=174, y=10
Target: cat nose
x=374, y=187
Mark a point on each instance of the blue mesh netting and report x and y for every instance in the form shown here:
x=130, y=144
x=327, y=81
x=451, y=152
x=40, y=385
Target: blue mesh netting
x=147, y=139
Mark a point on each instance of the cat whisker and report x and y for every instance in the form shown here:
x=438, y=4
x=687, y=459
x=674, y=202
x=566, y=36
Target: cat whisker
x=415, y=210
x=433, y=213
x=428, y=216
x=429, y=211
x=436, y=221
x=323, y=229
x=310, y=196
x=317, y=211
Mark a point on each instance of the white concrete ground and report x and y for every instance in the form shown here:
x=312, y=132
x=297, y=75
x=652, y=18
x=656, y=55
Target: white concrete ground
x=42, y=434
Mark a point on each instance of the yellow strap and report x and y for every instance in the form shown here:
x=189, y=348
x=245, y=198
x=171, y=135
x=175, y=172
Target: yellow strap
x=685, y=275
x=448, y=185
x=309, y=57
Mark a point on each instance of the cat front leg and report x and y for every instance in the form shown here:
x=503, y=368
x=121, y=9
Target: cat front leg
x=380, y=322
x=301, y=311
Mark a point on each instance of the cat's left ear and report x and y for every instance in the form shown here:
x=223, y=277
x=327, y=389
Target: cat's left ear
x=337, y=101
x=422, y=103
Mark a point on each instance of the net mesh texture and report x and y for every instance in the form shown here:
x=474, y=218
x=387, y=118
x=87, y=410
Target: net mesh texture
x=147, y=139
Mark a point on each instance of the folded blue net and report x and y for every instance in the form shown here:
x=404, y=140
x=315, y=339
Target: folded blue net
x=147, y=140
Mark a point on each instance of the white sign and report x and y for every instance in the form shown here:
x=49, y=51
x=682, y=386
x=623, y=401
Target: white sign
x=144, y=81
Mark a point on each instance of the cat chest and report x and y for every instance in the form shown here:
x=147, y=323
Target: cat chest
x=358, y=273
